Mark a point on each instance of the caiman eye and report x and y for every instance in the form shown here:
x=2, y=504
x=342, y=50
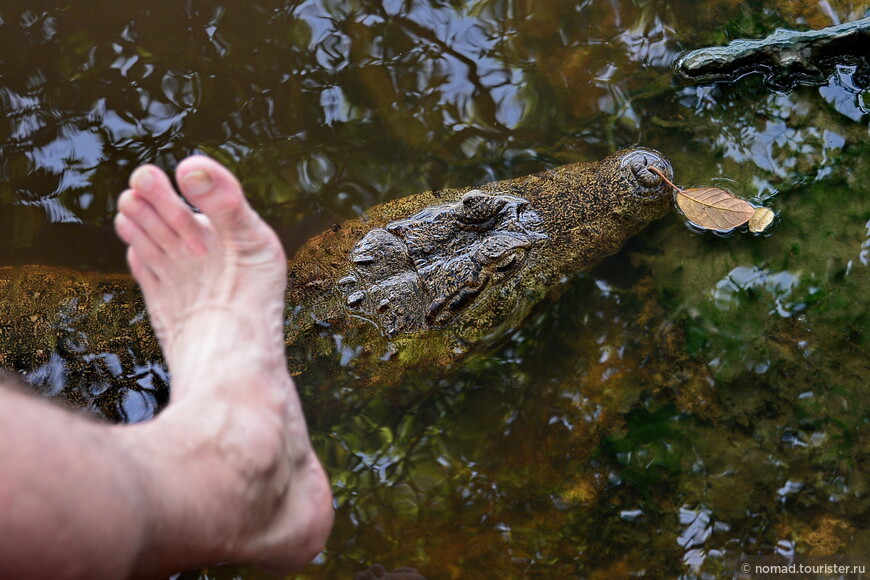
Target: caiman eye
x=478, y=207
x=507, y=263
x=504, y=255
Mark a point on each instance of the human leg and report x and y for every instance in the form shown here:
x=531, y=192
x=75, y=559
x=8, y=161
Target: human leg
x=226, y=472
x=214, y=285
x=69, y=495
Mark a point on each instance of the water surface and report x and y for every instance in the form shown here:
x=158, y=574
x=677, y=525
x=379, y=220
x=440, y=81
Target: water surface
x=692, y=399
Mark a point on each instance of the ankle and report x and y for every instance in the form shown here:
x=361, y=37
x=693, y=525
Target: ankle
x=302, y=521
x=248, y=476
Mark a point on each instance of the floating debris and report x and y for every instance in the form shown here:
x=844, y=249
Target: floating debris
x=712, y=208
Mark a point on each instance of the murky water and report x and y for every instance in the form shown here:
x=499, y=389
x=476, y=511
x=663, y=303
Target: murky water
x=692, y=399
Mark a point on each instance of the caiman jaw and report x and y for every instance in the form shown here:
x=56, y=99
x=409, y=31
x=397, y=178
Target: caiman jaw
x=649, y=184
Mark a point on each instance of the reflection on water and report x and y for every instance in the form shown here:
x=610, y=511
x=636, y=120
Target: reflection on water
x=692, y=399
x=750, y=280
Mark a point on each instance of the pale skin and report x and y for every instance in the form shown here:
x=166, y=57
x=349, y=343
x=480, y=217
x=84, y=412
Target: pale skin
x=226, y=472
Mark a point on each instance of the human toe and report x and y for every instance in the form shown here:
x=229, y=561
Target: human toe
x=152, y=185
x=125, y=228
x=143, y=274
x=215, y=192
x=136, y=216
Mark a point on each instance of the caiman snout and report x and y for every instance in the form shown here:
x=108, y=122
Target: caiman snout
x=639, y=163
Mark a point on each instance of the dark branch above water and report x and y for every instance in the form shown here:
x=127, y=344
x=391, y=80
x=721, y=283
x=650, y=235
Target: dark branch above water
x=786, y=58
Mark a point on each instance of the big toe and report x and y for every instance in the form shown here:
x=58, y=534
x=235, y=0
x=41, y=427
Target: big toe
x=212, y=189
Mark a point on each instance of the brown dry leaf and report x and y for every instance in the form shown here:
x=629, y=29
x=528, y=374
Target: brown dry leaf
x=712, y=208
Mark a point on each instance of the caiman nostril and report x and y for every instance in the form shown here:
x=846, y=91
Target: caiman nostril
x=639, y=165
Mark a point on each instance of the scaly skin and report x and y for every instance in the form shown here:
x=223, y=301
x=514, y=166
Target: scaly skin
x=572, y=217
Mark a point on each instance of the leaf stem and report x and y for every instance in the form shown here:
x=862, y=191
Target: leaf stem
x=658, y=172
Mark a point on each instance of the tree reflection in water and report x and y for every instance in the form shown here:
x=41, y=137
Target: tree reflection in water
x=642, y=424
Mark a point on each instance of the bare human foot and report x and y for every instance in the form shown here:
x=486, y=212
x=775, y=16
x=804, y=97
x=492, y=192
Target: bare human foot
x=231, y=458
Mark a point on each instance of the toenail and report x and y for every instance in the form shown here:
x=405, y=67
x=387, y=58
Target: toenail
x=142, y=179
x=196, y=182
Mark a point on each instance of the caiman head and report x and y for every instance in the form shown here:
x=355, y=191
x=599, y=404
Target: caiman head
x=491, y=253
